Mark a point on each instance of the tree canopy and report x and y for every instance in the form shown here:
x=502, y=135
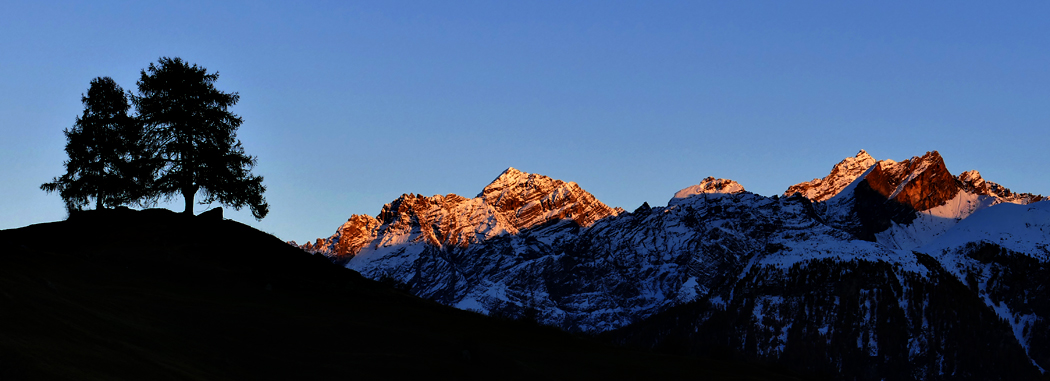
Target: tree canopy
x=183, y=141
x=109, y=160
x=196, y=136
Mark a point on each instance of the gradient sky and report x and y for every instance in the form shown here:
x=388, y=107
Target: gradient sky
x=347, y=105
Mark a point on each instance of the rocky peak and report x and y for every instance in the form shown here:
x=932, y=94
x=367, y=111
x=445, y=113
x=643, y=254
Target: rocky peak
x=507, y=191
x=437, y=220
x=527, y=200
x=972, y=182
x=514, y=201
x=708, y=186
x=410, y=204
x=922, y=182
x=357, y=232
x=842, y=174
x=507, y=179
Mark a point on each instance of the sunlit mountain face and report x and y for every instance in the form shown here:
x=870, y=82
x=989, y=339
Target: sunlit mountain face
x=881, y=269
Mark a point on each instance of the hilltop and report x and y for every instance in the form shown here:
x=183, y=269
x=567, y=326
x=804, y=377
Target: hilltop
x=153, y=294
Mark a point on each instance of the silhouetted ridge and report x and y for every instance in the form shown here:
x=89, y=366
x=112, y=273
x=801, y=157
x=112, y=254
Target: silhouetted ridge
x=143, y=295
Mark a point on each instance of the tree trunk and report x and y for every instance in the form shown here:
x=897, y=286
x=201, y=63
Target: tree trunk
x=188, y=193
x=98, y=201
x=188, y=170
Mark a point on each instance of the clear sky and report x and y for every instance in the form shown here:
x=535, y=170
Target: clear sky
x=349, y=104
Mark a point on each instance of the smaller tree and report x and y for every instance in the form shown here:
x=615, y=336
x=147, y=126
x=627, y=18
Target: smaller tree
x=110, y=160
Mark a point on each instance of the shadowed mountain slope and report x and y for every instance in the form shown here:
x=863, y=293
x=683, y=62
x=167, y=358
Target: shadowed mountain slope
x=162, y=296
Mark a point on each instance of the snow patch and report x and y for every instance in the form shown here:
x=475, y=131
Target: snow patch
x=1019, y=228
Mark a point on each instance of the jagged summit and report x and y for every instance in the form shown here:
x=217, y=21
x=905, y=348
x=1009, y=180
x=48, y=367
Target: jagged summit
x=529, y=199
x=842, y=174
x=902, y=204
x=508, y=178
x=972, y=182
x=513, y=184
x=516, y=201
x=709, y=185
x=513, y=202
x=922, y=182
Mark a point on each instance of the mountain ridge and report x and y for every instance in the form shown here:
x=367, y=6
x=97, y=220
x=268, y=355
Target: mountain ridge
x=512, y=202
x=842, y=174
x=520, y=200
x=715, y=244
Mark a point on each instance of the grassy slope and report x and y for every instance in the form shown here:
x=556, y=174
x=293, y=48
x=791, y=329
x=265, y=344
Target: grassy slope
x=161, y=296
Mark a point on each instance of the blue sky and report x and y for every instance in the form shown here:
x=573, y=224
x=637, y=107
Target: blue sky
x=350, y=104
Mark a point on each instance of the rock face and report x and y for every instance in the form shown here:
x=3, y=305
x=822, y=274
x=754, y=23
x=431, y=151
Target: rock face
x=349, y=239
x=972, y=182
x=513, y=202
x=906, y=204
x=841, y=176
x=527, y=200
x=920, y=182
x=709, y=186
x=892, y=193
x=882, y=269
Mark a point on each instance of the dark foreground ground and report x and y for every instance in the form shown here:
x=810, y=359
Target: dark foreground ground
x=154, y=295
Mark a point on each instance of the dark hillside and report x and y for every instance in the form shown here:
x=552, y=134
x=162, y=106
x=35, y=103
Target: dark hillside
x=162, y=296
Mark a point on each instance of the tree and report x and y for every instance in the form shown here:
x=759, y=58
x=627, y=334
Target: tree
x=109, y=160
x=196, y=136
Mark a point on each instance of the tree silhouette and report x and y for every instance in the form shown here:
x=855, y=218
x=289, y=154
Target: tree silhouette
x=196, y=136
x=109, y=157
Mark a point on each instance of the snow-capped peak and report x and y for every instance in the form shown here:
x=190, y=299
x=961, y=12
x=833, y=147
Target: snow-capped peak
x=528, y=199
x=842, y=174
x=508, y=178
x=972, y=182
x=922, y=182
x=511, y=203
x=709, y=186
x=973, y=178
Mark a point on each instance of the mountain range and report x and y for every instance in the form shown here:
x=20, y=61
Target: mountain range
x=881, y=269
